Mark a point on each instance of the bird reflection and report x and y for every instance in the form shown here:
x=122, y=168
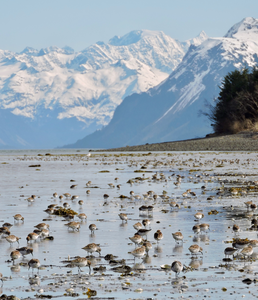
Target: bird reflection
x=178, y=248
x=204, y=238
x=35, y=280
x=15, y=268
x=158, y=249
x=196, y=239
x=123, y=225
x=195, y=263
x=147, y=259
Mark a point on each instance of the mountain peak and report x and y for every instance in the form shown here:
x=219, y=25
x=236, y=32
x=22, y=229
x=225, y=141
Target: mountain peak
x=247, y=28
x=132, y=37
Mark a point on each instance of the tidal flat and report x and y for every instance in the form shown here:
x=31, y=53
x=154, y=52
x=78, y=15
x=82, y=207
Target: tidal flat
x=175, y=186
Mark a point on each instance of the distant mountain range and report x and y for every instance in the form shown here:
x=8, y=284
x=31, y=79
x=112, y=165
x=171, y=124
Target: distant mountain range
x=54, y=96
x=170, y=110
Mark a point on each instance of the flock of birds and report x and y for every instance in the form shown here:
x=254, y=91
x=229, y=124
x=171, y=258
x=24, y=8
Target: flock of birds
x=142, y=245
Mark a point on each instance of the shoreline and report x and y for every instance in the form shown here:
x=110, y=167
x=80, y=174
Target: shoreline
x=243, y=141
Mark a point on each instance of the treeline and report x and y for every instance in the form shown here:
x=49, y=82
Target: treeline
x=236, y=108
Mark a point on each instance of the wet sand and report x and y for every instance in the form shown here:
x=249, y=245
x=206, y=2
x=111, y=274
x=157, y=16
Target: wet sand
x=220, y=183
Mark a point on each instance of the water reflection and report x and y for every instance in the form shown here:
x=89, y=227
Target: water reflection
x=34, y=281
x=158, y=249
x=195, y=263
x=178, y=249
x=15, y=268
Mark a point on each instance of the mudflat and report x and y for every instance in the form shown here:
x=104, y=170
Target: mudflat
x=243, y=141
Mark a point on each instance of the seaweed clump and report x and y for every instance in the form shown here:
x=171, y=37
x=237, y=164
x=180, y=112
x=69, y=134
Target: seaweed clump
x=61, y=211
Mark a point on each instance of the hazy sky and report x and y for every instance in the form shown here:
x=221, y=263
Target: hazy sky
x=80, y=23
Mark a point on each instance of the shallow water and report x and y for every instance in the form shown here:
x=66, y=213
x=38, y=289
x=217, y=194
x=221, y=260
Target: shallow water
x=208, y=273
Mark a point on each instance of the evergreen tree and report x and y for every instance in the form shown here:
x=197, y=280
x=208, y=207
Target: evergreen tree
x=236, y=107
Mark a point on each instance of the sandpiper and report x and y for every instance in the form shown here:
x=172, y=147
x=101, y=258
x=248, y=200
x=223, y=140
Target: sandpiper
x=240, y=243
x=25, y=251
x=139, y=252
x=194, y=249
x=247, y=251
x=148, y=246
x=81, y=262
x=177, y=267
x=74, y=197
x=34, y=263
x=199, y=216
x=18, y=217
x=41, y=226
x=8, y=225
x=143, y=232
x=178, y=236
x=15, y=255
x=137, y=226
x=12, y=239
x=146, y=222
x=32, y=236
x=123, y=217
x=90, y=248
x=158, y=235
x=229, y=251
x=137, y=239
x=67, y=195
x=196, y=229
x=204, y=227
x=92, y=228
x=236, y=228
x=73, y=225
x=82, y=216
x=80, y=202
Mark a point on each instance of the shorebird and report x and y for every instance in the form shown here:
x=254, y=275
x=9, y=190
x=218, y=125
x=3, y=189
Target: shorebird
x=143, y=232
x=123, y=217
x=194, y=249
x=34, y=263
x=235, y=228
x=148, y=246
x=81, y=262
x=139, y=252
x=229, y=251
x=92, y=228
x=18, y=218
x=15, y=255
x=67, y=195
x=137, y=226
x=204, y=227
x=196, y=229
x=25, y=251
x=158, y=235
x=73, y=225
x=41, y=226
x=91, y=248
x=146, y=222
x=178, y=236
x=82, y=216
x=137, y=239
x=177, y=267
x=199, y=216
x=12, y=239
x=32, y=236
x=247, y=251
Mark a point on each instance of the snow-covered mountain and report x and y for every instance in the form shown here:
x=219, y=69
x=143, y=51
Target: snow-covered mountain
x=170, y=111
x=55, y=96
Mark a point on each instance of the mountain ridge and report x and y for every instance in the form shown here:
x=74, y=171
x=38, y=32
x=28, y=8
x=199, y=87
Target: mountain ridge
x=174, y=105
x=44, y=87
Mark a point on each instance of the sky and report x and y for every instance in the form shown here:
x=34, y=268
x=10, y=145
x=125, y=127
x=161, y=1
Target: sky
x=81, y=23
